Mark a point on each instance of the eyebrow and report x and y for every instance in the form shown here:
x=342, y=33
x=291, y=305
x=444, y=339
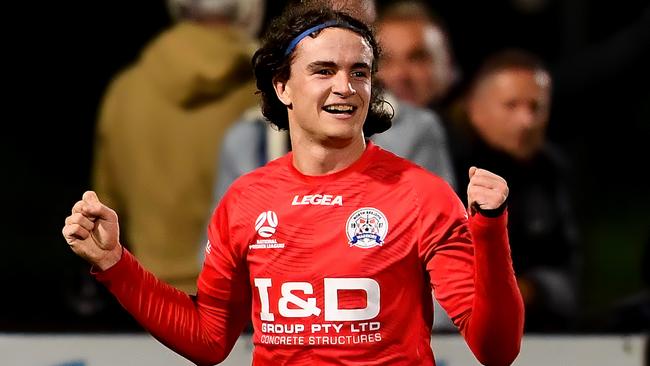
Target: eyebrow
x=330, y=64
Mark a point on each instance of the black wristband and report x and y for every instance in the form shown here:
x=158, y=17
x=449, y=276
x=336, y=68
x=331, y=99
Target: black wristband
x=492, y=213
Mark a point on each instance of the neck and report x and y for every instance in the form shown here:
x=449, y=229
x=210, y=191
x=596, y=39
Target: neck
x=319, y=158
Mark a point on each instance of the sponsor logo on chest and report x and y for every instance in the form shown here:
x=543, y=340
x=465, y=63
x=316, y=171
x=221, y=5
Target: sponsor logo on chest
x=317, y=199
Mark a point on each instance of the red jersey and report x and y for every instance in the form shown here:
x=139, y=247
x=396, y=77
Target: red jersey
x=337, y=270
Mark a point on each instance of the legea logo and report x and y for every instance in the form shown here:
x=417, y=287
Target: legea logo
x=266, y=223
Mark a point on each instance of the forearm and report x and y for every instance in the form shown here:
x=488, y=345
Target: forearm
x=194, y=329
x=494, y=328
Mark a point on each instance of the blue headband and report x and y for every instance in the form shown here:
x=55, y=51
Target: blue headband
x=327, y=24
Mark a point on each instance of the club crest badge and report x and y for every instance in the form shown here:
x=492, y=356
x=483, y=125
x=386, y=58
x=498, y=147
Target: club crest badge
x=366, y=228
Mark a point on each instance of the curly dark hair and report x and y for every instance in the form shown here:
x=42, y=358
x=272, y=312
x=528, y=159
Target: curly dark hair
x=270, y=62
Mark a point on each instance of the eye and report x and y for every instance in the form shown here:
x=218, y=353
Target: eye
x=511, y=104
x=420, y=55
x=535, y=107
x=324, y=72
x=360, y=74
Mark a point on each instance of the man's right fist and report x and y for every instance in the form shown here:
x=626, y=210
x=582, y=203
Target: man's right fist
x=92, y=232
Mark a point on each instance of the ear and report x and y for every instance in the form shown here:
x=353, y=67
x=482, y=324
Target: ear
x=282, y=91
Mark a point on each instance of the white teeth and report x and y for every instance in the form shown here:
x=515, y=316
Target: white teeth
x=339, y=108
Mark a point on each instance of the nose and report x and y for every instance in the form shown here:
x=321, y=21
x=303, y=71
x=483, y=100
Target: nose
x=526, y=117
x=342, y=86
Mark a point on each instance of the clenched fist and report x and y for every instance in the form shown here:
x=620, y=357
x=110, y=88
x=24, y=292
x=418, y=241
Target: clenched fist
x=92, y=231
x=485, y=191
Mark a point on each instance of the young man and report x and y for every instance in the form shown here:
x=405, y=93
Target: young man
x=334, y=248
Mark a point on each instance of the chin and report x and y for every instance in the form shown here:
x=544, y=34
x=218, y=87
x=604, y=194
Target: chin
x=525, y=155
x=340, y=138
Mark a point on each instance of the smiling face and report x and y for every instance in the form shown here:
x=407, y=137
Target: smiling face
x=328, y=91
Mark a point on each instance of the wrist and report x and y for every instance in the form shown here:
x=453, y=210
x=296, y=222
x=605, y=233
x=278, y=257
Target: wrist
x=111, y=259
x=494, y=212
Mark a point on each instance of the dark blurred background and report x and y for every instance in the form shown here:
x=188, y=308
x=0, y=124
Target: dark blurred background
x=61, y=56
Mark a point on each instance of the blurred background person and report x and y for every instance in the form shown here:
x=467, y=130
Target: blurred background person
x=501, y=124
x=417, y=64
x=160, y=127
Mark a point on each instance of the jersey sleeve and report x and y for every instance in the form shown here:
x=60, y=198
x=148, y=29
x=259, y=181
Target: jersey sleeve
x=202, y=328
x=446, y=248
x=494, y=328
x=470, y=267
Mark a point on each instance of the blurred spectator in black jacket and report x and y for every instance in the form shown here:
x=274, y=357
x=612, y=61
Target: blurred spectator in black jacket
x=500, y=124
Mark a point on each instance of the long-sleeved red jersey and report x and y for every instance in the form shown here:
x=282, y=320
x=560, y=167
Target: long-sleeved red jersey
x=337, y=270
